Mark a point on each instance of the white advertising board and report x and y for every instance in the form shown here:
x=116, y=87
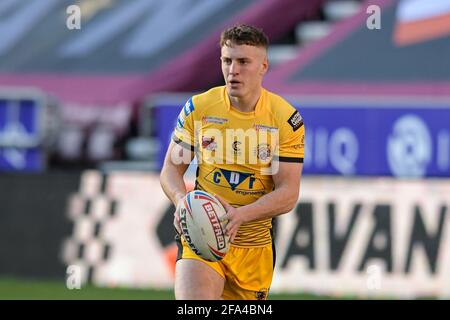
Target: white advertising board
x=373, y=237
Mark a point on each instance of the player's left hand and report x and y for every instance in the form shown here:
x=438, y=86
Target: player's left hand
x=233, y=219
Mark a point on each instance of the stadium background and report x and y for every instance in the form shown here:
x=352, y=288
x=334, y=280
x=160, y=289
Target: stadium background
x=86, y=114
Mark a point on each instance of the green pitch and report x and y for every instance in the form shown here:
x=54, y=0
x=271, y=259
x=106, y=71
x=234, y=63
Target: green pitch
x=12, y=288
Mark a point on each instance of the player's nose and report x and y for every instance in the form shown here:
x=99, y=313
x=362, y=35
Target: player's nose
x=234, y=68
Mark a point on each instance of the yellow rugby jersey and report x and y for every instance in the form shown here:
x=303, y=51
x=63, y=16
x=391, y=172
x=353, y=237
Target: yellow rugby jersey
x=237, y=152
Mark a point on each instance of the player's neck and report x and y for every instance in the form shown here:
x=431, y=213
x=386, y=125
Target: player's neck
x=245, y=104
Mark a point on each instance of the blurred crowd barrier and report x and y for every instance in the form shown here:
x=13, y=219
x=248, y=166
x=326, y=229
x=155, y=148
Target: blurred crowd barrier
x=37, y=131
x=29, y=127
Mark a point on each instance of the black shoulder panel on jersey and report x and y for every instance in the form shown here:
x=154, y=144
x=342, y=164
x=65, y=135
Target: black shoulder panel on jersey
x=295, y=120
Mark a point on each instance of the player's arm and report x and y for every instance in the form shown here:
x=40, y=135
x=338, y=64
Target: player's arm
x=176, y=163
x=282, y=200
x=179, y=155
x=284, y=197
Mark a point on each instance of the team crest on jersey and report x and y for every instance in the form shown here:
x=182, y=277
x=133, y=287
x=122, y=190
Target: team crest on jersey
x=263, y=151
x=215, y=120
x=236, y=147
x=295, y=120
x=208, y=143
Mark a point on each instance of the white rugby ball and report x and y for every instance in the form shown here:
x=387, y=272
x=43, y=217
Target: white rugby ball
x=200, y=215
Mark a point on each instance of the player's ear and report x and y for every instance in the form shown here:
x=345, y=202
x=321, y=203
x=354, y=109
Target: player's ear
x=265, y=65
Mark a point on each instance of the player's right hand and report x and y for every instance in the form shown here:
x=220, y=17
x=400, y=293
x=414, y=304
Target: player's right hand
x=176, y=217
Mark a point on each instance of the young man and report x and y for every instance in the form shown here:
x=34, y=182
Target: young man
x=249, y=145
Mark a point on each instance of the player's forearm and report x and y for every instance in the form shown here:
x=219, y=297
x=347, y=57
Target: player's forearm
x=172, y=183
x=279, y=201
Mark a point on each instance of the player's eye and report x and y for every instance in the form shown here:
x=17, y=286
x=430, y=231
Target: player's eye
x=226, y=61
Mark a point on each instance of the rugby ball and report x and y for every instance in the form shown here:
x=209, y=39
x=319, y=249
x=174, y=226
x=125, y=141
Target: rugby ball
x=200, y=215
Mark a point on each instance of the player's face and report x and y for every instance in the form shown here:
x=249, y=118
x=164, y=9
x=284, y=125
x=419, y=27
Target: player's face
x=243, y=67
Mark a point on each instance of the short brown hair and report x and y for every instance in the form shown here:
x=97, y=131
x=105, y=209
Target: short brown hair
x=244, y=34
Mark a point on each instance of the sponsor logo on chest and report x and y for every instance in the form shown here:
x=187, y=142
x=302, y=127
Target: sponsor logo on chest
x=215, y=120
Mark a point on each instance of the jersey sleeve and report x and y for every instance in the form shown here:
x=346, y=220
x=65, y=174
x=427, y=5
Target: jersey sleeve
x=184, y=133
x=292, y=139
